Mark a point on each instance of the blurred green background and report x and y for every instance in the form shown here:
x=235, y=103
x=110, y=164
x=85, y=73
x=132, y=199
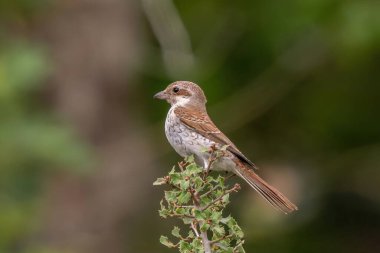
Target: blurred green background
x=295, y=84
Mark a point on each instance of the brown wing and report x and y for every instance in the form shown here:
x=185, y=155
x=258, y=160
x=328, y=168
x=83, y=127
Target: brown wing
x=200, y=122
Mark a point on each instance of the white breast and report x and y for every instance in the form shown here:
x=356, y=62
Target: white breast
x=188, y=142
x=176, y=133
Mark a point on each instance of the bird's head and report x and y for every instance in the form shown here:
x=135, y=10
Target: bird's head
x=183, y=93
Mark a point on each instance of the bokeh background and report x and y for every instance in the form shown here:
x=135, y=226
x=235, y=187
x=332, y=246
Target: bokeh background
x=295, y=84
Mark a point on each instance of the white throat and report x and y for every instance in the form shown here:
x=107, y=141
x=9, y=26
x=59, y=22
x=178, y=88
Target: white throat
x=181, y=101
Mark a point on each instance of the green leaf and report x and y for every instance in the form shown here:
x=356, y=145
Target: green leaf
x=187, y=220
x=179, y=204
x=218, y=193
x=180, y=210
x=197, y=245
x=239, y=248
x=162, y=204
x=175, y=178
x=164, y=213
x=193, y=169
x=184, y=184
x=207, y=213
x=229, y=221
x=165, y=241
x=172, y=171
x=226, y=198
x=218, y=230
x=185, y=247
x=198, y=184
x=175, y=232
x=220, y=180
x=225, y=245
x=198, y=215
x=171, y=196
x=216, y=216
x=184, y=197
x=205, y=227
x=160, y=181
x=205, y=201
x=226, y=220
x=190, y=159
x=237, y=230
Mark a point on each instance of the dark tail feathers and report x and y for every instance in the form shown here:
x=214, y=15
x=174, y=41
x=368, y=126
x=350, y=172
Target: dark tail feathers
x=271, y=194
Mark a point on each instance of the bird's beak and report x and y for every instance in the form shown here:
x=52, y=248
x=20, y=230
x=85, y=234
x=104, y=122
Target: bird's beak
x=161, y=95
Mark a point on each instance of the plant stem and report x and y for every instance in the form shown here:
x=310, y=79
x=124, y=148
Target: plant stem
x=193, y=226
x=203, y=234
x=206, y=242
x=233, y=189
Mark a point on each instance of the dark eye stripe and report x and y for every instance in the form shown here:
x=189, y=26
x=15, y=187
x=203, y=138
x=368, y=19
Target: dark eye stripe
x=183, y=92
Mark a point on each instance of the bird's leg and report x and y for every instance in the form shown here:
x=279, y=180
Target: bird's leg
x=182, y=165
x=207, y=166
x=208, y=163
x=214, y=155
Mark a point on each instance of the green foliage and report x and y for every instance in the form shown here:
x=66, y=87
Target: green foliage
x=33, y=143
x=198, y=199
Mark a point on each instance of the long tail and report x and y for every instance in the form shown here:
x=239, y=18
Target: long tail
x=271, y=194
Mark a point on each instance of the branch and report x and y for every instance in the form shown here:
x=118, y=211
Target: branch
x=233, y=189
x=194, y=229
x=206, y=242
x=220, y=239
x=191, y=188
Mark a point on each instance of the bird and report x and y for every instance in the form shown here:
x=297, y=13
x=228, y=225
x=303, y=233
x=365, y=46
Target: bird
x=190, y=131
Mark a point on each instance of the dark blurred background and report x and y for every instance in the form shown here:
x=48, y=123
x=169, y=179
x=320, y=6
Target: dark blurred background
x=295, y=84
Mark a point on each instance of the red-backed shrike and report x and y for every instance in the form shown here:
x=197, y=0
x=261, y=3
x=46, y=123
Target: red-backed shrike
x=190, y=131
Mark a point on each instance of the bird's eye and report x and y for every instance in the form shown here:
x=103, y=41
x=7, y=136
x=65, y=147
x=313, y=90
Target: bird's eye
x=175, y=89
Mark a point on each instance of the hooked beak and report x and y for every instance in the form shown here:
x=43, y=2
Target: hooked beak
x=161, y=95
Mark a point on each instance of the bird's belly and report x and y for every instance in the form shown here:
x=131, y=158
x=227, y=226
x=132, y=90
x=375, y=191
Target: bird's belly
x=175, y=133
x=187, y=142
x=184, y=140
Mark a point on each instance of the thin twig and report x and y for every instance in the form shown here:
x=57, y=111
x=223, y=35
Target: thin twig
x=194, y=229
x=233, y=189
x=220, y=239
x=183, y=206
x=240, y=244
x=181, y=215
x=208, y=192
x=217, y=186
x=175, y=186
x=182, y=165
